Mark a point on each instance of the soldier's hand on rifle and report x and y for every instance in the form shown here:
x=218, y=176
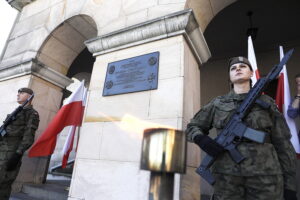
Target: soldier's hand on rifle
x=210, y=146
x=13, y=161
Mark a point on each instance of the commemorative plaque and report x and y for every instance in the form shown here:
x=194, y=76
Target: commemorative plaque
x=132, y=75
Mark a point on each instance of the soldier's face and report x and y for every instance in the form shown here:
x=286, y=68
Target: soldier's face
x=22, y=96
x=239, y=73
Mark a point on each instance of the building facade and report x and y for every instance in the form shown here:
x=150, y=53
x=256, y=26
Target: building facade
x=55, y=40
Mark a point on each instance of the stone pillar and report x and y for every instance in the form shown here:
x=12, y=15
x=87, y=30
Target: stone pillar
x=47, y=85
x=108, y=156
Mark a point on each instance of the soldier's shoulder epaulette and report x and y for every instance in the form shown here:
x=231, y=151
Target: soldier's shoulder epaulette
x=219, y=99
x=267, y=98
x=270, y=101
x=214, y=100
x=33, y=111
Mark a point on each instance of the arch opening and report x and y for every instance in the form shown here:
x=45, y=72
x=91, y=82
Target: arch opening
x=66, y=42
x=65, y=52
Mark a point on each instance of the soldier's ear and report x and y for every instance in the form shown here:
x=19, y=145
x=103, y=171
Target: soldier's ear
x=251, y=73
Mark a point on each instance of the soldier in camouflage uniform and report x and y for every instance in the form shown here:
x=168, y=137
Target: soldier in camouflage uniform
x=19, y=137
x=269, y=170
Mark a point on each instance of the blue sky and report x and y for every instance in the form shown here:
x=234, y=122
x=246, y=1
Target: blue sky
x=7, y=18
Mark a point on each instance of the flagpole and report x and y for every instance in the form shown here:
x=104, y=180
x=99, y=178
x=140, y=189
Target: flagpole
x=70, y=114
x=69, y=150
x=252, y=60
x=87, y=97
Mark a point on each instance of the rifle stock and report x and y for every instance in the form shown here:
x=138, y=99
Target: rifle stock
x=203, y=169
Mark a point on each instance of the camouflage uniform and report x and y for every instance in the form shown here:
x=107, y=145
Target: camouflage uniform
x=19, y=137
x=268, y=167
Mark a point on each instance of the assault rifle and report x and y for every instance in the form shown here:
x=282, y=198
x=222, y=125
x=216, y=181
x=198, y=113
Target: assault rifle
x=235, y=130
x=11, y=117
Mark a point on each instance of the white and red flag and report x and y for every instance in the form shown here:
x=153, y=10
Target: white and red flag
x=68, y=146
x=252, y=60
x=283, y=99
x=70, y=114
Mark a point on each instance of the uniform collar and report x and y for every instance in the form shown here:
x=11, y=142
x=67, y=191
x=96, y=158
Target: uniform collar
x=27, y=107
x=235, y=96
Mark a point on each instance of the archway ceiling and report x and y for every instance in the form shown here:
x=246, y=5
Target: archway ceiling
x=66, y=42
x=277, y=23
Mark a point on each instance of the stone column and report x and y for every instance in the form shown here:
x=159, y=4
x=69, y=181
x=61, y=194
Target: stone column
x=47, y=85
x=108, y=156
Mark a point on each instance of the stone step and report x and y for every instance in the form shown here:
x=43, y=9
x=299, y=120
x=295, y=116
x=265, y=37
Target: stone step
x=21, y=196
x=58, y=176
x=51, y=190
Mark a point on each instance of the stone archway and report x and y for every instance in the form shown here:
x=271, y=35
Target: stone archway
x=206, y=10
x=64, y=48
x=80, y=69
x=66, y=42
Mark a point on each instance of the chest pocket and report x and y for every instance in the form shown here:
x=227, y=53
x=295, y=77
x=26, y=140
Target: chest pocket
x=223, y=112
x=20, y=120
x=259, y=119
x=15, y=128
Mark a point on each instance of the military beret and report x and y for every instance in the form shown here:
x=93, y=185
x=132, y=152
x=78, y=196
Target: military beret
x=27, y=90
x=239, y=59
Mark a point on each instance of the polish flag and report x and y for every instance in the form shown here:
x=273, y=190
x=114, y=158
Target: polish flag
x=252, y=60
x=283, y=99
x=70, y=114
x=68, y=146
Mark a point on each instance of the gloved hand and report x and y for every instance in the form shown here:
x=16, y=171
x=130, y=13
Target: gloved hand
x=290, y=194
x=208, y=145
x=12, y=163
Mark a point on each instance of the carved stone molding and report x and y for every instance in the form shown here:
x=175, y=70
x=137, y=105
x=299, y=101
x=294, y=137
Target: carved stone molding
x=34, y=67
x=179, y=23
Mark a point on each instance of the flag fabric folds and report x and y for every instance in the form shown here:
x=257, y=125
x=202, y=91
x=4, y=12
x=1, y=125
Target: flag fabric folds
x=252, y=60
x=283, y=99
x=70, y=114
x=68, y=146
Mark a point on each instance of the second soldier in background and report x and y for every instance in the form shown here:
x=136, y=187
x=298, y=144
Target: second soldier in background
x=19, y=137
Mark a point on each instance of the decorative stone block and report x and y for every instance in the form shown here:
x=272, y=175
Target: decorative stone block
x=91, y=135
x=32, y=66
x=115, y=107
x=164, y=9
x=167, y=101
x=111, y=180
x=136, y=5
x=182, y=22
x=120, y=143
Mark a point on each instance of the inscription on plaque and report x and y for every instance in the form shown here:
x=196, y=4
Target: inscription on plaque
x=132, y=75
